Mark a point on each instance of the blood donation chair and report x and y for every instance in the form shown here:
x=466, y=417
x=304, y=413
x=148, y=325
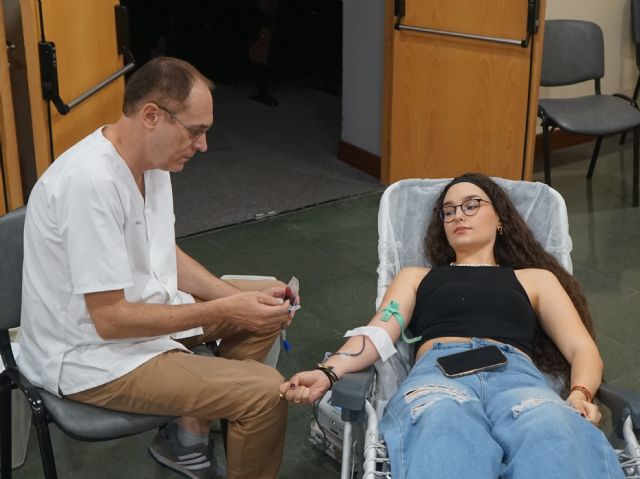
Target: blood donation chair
x=360, y=398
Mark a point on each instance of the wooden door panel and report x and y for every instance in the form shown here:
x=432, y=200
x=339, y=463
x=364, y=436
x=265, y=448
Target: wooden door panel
x=85, y=36
x=84, y=33
x=501, y=18
x=447, y=123
x=461, y=104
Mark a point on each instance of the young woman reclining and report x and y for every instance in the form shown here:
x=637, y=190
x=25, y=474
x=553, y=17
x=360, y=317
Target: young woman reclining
x=491, y=284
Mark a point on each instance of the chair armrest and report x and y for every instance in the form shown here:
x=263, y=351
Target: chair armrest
x=350, y=392
x=622, y=403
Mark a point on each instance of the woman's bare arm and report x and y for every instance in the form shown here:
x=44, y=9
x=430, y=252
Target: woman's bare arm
x=561, y=321
x=309, y=386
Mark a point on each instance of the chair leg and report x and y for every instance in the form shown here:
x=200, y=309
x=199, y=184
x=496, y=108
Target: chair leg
x=44, y=441
x=594, y=157
x=636, y=92
x=546, y=131
x=5, y=430
x=636, y=169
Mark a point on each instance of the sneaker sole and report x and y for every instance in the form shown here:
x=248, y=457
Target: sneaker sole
x=169, y=464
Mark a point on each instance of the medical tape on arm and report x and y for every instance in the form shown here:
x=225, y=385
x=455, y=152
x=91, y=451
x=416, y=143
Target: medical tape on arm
x=378, y=336
x=392, y=309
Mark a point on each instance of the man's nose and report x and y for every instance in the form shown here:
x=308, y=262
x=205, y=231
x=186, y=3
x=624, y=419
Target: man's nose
x=200, y=143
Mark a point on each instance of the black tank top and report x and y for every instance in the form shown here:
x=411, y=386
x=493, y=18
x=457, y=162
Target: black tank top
x=474, y=301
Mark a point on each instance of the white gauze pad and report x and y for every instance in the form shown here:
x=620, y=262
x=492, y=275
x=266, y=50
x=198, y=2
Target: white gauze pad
x=378, y=336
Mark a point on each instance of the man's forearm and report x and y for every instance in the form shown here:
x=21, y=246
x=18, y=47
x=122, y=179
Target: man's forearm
x=123, y=319
x=195, y=279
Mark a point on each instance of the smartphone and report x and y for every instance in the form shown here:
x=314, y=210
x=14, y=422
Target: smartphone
x=471, y=361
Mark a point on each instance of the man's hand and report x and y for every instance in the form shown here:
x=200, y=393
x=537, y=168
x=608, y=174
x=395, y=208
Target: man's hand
x=280, y=292
x=307, y=386
x=256, y=311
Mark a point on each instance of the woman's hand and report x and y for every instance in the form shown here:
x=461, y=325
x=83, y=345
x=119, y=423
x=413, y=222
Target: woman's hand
x=588, y=410
x=307, y=386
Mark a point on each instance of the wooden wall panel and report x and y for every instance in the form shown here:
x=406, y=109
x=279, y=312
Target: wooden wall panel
x=10, y=180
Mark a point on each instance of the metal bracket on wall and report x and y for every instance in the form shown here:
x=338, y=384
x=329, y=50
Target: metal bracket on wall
x=533, y=8
x=49, y=66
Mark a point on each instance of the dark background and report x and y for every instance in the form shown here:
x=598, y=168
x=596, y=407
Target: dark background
x=216, y=35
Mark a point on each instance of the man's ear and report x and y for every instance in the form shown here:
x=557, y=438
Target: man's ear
x=150, y=115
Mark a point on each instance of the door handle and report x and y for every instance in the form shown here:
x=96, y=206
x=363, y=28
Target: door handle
x=49, y=66
x=533, y=7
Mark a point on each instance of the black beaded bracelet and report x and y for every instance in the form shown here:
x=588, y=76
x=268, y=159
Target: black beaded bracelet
x=328, y=371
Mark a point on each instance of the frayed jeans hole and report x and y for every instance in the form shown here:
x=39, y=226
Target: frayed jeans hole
x=455, y=393
x=434, y=394
x=530, y=404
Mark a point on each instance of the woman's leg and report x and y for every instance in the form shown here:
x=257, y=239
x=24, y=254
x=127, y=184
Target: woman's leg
x=541, y=435
x=435, y=427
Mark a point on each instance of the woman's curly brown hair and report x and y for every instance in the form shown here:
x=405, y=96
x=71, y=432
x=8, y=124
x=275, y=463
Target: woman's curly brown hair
x=518, y=249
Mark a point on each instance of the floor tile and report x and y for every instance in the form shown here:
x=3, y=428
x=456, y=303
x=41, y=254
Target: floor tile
x=620, y=322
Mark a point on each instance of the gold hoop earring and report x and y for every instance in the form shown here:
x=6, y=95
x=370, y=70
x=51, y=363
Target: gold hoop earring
x=500, y=230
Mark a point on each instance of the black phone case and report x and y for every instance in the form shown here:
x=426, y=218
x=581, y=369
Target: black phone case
x=471, y=361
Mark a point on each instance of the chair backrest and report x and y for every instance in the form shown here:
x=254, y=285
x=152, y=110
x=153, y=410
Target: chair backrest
x=11, y=254
x=573, y=52
x=635, y=28
x=406, y=207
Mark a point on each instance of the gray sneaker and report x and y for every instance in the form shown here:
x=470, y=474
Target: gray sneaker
x=197, y=462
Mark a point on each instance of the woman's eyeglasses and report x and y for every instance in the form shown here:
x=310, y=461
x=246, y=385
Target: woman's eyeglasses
x=469, y=208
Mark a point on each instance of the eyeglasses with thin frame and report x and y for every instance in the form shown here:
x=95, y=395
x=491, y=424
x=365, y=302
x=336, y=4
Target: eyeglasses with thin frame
x=193, y=132
x=469, y=207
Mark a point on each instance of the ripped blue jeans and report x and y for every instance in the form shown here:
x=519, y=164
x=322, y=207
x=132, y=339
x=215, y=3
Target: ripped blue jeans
x=503, y=423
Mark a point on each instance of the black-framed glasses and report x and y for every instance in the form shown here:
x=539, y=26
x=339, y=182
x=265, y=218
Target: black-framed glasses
x=193, y=132
x=469, y=207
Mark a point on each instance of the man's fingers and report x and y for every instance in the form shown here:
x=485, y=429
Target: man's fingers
x=275, y=291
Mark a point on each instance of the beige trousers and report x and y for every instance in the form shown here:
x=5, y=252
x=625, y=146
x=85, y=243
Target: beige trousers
x=235, y=386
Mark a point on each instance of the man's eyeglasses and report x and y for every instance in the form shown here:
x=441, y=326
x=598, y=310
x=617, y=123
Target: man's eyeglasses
x=193, y=132
x=469, y=208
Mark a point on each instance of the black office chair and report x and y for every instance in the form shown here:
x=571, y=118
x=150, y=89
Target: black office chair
x=574, y=52
x=635, y=34
x=80, y=421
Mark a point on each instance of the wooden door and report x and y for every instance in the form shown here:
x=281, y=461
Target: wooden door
x=10, y=181
x=461, y=85
x=88, y=54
